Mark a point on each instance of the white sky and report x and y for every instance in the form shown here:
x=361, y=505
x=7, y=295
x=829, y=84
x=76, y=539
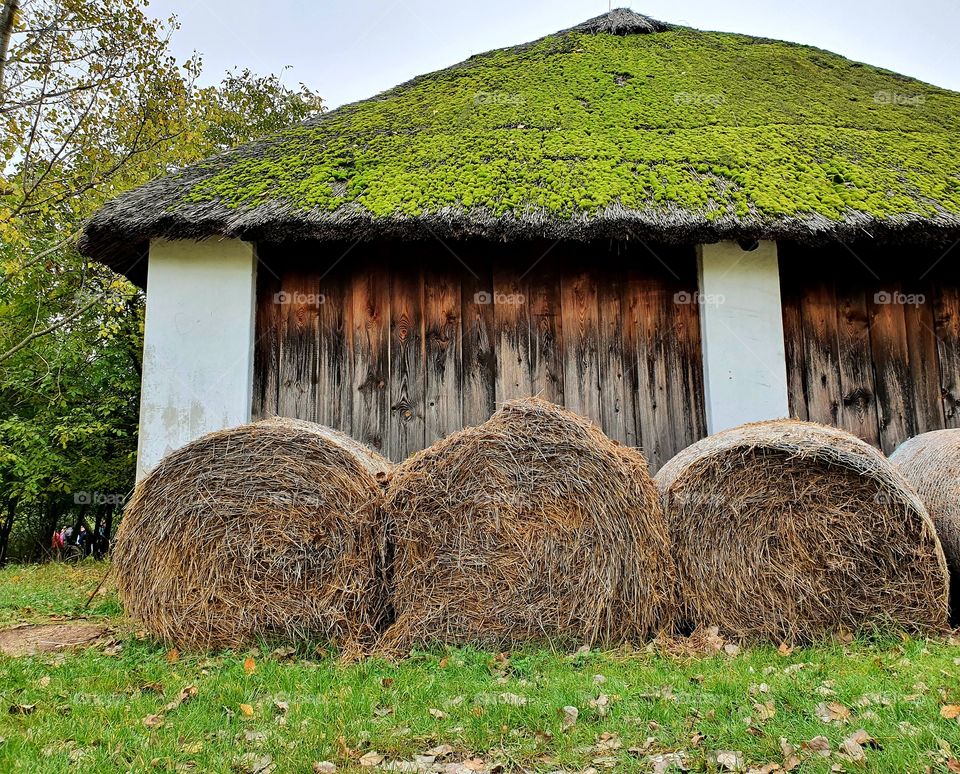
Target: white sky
x=352, y=49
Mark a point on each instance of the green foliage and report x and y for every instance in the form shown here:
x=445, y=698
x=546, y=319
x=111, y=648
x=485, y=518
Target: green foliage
x=714, y=123
x=95, y=104
x=89, y=707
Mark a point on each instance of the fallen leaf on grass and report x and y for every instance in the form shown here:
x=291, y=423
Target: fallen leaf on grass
x=728, y=760
x=784, y=649
x=950, y=711
x=153, y=721
x=570, y=715
x=173, y=656
x=832, y=712
x=819, y=745
x=324, y=767
x=185, y=695
x=247, y=710
x=253, y=763
x=765, y=711
x=371, y=759
x=438, y=714
x=953, y=765
x=22, y=709
x=250, y=666
x=513, y=699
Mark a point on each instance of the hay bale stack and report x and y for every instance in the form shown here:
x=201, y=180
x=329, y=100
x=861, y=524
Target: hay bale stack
x=789, y=530
x=532, y=525
x=270, y=529
x=931, y=463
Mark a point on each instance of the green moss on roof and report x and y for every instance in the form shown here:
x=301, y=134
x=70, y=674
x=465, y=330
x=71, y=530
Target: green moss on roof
x=706, y=121
x=671, y=129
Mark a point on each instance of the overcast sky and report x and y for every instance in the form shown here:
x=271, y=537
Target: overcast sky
x=352, y=49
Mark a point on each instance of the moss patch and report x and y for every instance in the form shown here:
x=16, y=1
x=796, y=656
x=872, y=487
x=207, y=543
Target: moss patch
x=715, y=123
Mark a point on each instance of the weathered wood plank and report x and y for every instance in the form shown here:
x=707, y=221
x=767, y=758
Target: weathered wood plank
x=334, y=374
x=266, y=354
x=581, y=337
x=923, y=359
x=818, y=311
x=512, y=337
x=888, y=346
x=858, y=407
x=947, y=321
x=685, y=367
x=640, y=358
x=479, y=359
x=793, y=339
x=407, y=364
x=298, y=346
x=617, y=405
x=546, y=333
x=369, y=297
x=443, y=374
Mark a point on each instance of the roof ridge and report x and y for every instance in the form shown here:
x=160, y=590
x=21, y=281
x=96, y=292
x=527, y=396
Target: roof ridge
x=620, y=21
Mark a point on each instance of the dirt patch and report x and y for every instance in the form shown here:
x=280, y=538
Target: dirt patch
x=30, y=639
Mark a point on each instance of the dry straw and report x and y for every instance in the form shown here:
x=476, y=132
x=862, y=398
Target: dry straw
x=265, y=530
x=931, y=463
x=789, y=530
x=532, y=525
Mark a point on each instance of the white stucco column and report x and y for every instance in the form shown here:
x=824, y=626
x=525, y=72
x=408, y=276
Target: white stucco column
x=741, y=323
x=198, y=343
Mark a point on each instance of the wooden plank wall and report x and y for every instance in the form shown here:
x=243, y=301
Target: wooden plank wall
x=872, y=339
x=401, y=345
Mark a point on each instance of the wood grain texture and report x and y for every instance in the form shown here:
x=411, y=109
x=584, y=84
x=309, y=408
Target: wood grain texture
x=408, y=346
x=443, y=376
x=407, y=364
x=947, y=322
x=477, y=346
x=369, y=294
x=512, y=333
x=581, y=336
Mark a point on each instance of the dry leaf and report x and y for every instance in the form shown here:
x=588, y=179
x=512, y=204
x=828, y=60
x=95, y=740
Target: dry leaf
x=950, y=711
x=45, y=681
x=765, y=711
x=729, y=760
x=834, y=711
x=249, y=666
x=784, y=649
x=153, y=721
x=247, y=710
x=819, y=745
x=438, y=714
x=173, y=656
x=474, y=764
x=185, y=695
x=513, y=699
x=371, y=759
x=731, y=649
x=954, y=765
x=570, y=715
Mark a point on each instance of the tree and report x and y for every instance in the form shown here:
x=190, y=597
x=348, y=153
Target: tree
x=93, y=104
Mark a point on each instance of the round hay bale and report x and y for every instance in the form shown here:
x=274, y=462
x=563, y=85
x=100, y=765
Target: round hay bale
x=532, y=525
x=266, y=530
x=790, y=531
x=931, y=463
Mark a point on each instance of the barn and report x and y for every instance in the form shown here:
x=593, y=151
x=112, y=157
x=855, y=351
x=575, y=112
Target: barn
x=668, y=230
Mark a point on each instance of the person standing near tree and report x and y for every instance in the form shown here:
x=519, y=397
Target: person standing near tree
x=57, y=543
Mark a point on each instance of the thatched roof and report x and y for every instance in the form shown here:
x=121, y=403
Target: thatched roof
x=621, y=127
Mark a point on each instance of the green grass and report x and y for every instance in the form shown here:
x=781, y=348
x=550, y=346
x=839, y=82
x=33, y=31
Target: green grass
x=89, y=705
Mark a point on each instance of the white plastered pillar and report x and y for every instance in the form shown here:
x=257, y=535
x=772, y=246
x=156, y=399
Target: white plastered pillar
x=741, y=323
x=198, y=343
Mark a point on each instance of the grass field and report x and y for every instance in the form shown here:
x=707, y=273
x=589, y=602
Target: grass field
x=130, y=704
